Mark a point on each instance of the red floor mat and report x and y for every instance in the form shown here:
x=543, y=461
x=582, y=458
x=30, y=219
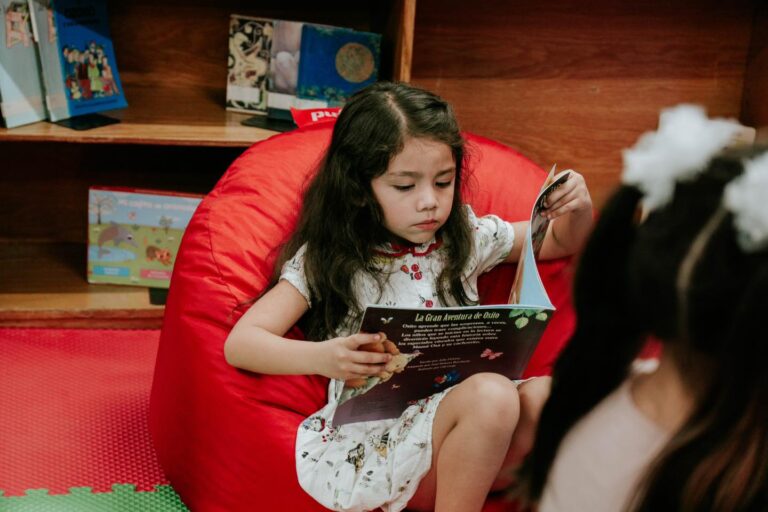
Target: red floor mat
x=74, y=407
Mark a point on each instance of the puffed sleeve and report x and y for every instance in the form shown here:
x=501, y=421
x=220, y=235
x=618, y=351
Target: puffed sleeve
x=293, y=272
x=493, y=240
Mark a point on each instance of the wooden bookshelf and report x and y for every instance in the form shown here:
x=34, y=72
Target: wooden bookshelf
x=174, y=135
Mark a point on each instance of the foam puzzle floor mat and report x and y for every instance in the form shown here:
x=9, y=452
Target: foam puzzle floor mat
x=74, y=432
x=123, y=498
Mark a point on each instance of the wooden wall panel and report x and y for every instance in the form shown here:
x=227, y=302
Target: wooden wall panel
x=755, y=107
x=575, y=82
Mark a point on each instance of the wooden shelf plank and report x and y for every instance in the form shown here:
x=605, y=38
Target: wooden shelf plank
x=43, y=285
x=169, y=116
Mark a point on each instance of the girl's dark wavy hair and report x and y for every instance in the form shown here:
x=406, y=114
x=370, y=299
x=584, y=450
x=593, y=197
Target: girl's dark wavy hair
x=341, y=221
x=625, y=290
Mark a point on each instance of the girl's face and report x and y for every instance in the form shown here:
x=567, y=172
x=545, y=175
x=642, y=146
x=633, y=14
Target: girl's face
x=416, y=192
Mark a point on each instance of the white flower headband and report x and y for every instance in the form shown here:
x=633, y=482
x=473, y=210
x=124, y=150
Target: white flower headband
x=685, y=141
x=747, y=198
x=680, y=149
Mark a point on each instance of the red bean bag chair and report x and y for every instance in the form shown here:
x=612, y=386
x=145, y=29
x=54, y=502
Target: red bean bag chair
x=225, y=437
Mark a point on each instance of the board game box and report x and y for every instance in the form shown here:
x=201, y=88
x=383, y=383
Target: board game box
x=134, y=234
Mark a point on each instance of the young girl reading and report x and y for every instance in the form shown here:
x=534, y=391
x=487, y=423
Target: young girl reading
x=383, y=223
x=693, y=434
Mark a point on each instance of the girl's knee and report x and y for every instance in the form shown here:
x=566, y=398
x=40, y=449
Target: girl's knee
x=493, y=396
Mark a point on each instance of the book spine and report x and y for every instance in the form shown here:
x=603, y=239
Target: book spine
x=44, y=28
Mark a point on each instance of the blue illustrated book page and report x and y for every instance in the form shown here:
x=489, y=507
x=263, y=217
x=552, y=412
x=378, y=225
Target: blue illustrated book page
x=336, y=62
x=527, y=287
x=77, y=57
x=21, y=89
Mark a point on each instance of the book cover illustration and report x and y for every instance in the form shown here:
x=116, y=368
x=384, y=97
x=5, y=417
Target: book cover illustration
x=77, y=57
x=284, y=72
x=134, y=235
x=336, y=62
x=21, y=88
x=435, y=348
x=250, y=44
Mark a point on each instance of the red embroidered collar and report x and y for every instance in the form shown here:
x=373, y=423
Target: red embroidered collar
x=401, y=250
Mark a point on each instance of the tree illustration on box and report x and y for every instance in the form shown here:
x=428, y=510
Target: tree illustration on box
x=165, y=223
x=101, y=204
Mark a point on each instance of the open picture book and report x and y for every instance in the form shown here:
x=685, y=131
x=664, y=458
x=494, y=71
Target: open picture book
x=436, y=348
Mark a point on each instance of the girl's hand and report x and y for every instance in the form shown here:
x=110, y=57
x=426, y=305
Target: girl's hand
x=340, y=358
x=570, y=197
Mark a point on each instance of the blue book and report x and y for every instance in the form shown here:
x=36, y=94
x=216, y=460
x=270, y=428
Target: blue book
x=21, y=89
x=336, y=62
x=77, y=57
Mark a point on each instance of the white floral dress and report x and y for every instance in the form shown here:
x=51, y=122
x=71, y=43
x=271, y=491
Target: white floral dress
x=378, y=464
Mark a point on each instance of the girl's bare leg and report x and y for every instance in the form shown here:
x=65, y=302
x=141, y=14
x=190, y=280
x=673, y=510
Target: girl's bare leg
x=533, y=395
x=470, y=438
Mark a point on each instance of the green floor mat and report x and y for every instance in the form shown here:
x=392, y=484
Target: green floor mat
x=123, y=498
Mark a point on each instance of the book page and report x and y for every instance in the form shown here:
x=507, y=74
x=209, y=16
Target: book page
x=527, y=287
x=435, y=348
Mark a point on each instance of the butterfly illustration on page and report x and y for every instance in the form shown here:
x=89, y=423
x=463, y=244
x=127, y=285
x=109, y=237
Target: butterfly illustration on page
x=385, y=321
x=490, y=354
x=446, y=379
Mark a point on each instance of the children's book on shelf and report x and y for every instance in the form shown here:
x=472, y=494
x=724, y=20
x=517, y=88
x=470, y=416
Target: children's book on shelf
x=21, y=88
x=435, y=348
x=134, y=234
x=77, y=57
x=284, y=71
x=336, y=62
x=250, y=43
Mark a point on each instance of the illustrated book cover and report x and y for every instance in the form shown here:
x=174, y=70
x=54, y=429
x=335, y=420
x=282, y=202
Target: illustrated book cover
x=435, y=348
x=284, y=71
x=134, y=234
x=77, y=57
x=250, y=44
x=21, y=87
x=336, y=62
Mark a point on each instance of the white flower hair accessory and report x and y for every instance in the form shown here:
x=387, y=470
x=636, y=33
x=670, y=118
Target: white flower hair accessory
x=746, y=197
x=685, y=141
